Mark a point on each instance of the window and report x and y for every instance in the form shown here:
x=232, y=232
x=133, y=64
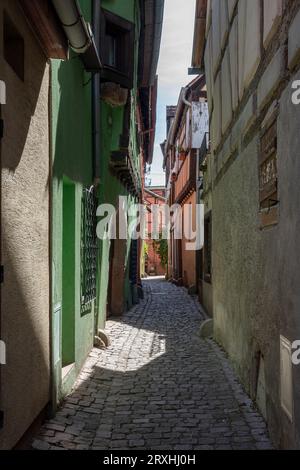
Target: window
x=112, y=43
x=117, y=49
x=208, y=248
x=13, y=44
x=268, y=177
x=89, y=251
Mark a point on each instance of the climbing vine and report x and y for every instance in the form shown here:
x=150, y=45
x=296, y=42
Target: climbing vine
x=161, y=247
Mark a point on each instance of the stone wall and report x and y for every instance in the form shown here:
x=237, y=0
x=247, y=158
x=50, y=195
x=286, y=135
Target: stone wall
x=251, y=59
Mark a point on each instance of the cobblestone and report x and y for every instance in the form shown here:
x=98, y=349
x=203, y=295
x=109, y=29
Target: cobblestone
x=158, y=386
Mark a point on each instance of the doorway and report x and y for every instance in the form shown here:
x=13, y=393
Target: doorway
x=110, y=279
x=115, y=297
x=68, y=274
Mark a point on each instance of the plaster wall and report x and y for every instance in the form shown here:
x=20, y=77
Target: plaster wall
x=25, y=294
x=255, y=269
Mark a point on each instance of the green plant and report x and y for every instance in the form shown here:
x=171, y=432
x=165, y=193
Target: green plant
x=146, y=250
x=161, y=247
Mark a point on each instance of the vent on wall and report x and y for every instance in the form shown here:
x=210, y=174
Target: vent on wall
x=286, y=377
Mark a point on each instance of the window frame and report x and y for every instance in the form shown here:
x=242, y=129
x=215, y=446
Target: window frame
x=124, y=31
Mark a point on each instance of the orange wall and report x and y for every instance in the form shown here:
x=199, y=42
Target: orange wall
x=189, y=257
x=153, y=264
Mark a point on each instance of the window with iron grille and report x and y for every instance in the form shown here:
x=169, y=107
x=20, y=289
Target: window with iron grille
x=89, y=249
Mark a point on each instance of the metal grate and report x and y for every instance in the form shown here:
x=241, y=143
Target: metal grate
x=133, y=267
x=89, y=249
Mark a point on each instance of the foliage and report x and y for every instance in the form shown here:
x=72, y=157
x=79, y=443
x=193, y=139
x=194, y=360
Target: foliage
x=146, y=249
x=161, y=247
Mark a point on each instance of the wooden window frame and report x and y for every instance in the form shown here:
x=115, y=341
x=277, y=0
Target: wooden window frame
x=124, y=32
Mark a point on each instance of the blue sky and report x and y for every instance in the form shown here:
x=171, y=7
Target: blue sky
x=175, y=59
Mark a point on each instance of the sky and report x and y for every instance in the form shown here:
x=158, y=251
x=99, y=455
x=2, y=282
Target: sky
x=175, y=59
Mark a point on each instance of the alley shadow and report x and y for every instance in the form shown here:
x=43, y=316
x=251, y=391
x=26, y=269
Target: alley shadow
x=159, y=385
x=25, y=331
x=24, y=318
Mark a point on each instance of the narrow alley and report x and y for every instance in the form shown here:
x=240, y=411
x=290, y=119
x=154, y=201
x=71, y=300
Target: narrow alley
x=158, y=386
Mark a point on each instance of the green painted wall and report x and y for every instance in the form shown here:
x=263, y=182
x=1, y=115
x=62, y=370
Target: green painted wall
x=111, y=130
x=72, y=172
x=124, y=8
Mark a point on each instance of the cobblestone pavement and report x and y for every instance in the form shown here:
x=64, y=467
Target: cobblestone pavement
x=158, y=386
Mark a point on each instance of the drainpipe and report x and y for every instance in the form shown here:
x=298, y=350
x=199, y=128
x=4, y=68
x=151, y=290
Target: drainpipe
x=96, y=122
x=184, y=100
x=74, y=25
x=96, y=95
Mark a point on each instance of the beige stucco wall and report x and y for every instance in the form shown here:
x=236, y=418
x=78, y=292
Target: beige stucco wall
x=24, y=236
x=207, y=288
x=255, y=269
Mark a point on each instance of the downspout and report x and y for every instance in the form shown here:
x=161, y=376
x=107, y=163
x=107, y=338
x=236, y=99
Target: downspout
x=184, y=100
x=178, y=115
x=171, y=137
x=96, y=95
x=81, y=38
x=74, y=25
x=96, y=133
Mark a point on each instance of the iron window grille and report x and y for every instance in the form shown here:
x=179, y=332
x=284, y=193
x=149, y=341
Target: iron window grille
x=89, y=250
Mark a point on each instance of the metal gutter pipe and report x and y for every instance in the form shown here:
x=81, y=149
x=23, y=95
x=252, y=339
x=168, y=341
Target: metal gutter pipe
x=96, y=95
x=74, y=25
x=184, y=100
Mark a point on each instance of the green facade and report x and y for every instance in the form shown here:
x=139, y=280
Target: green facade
x=112, y=119
x=71, y=115
x=72, y=172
